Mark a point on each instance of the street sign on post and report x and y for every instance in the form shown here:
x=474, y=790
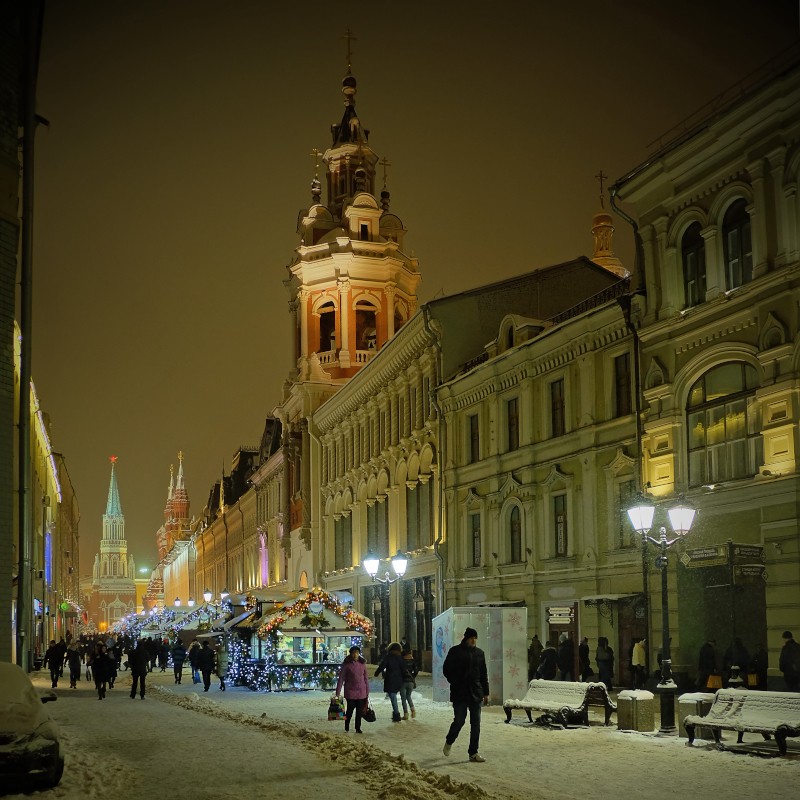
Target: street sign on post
x=705, y=557
x=748, y=553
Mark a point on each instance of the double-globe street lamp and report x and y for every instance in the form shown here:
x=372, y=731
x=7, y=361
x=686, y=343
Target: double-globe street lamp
x=371, y=564
x=681, y=517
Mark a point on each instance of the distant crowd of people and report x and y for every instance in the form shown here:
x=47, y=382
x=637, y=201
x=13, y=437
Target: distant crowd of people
x=737, y=667
x=104, y=656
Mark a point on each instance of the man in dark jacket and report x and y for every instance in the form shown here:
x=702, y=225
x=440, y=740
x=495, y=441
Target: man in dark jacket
x=706, y=664
x=548, y=663
x=138, y=661
x=465, y=670
x=205, y=663
x=790, y=662
x=566, y=657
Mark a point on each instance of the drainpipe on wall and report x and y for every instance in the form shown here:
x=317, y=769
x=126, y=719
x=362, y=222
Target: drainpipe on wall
x=442, y=450
x=625, y=303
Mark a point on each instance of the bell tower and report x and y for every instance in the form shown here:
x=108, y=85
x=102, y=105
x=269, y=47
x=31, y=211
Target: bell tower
x=351, y=284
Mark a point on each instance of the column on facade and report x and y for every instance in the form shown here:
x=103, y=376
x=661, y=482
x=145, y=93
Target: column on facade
x=758, y=218
x=389, y=291
x=344, y=322
x=648, y=246
x=791, y=215
x=302, y=302
x=394, y=428
x=293, y=331
x=420, y=409
x=784, y=229
x=663, y=301
x=715, y=268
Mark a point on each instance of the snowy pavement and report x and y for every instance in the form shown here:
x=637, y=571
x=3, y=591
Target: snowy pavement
x=184, y=743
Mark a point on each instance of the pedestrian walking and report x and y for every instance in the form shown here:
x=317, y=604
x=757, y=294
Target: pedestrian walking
x=760, y=665
x=465, y=670
x=194, y=652
x=534, y=656
x=222, y=665
x=584, y=663
x=789, y=663
x=409, y=683
x=548, y=663
x=391, y=667
x=604, y=656
x=639, y=663
x=178, y=653
x=706, y=664
x=205, y=663
x=566, y=657
x=61, y=653
x=163, y=654
x=73, y=658
x=353, y=678
x=101, y=669
x=52, y=659
x=138, y=661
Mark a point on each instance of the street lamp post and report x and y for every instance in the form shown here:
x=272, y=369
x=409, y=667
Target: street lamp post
x=681, y=518
x=399, y=564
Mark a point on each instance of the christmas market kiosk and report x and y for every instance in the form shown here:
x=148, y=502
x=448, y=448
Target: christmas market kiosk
x=303, y=643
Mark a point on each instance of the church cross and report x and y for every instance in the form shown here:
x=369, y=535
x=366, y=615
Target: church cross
x=350, y=39
x=384, y=162
x=315, y=154
x=601, y=176
x=112, y=459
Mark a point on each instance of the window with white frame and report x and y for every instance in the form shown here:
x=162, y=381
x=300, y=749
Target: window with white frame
x=626, y=496
x=724, y=440
x=737, y=245
x=693, y=255
x=515, y=536
x=560, y=524
x=419, y=515
x=475, y=528
x=343, y=542
x=512, y=423
x=473, y=439
x=557, y=409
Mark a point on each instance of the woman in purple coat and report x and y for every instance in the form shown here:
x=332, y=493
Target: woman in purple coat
x=353, y=676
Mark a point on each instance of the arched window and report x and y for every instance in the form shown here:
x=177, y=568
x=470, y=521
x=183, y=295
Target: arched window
x=738, y=249
x=724, y=441
x=366, y=324
x=327, y=327
x=515, y=536
x=510, y=337
x=693, y=252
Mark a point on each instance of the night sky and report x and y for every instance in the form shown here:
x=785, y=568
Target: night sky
x=169, y=181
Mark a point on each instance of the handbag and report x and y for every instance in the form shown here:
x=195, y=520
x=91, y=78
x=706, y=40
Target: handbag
x=752, y=679
x=368, y=712
x=335, y=710
x=714, y=682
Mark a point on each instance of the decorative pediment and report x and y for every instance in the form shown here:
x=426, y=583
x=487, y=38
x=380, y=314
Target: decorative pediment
x=510, y=487
x=773, y=333
x=556, y=476
x=621, y=463
x=656, y=374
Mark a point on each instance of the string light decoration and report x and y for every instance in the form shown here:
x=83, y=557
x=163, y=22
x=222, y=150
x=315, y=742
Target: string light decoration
x=354, y=620
x=267, y=674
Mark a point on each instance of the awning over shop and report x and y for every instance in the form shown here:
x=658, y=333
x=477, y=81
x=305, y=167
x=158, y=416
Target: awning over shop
x=608, y=598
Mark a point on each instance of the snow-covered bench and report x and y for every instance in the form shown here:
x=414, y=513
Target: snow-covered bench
x=567, y=701
x=768, y=713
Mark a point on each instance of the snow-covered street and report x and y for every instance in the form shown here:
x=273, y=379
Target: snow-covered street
x=184, y=743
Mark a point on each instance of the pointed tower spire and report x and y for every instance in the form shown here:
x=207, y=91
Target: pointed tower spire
x=179, y=485
x=222, y=508
x=171, y=489
x=603, y=232
x=113, y=507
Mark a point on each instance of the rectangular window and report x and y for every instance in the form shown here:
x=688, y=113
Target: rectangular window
x=426, y=390
x=372, y=528
x=626, y=495
x=412, y=517
x=474, y=442
x=557, y=416
x=475, y=522
x=512, y=417
x=383, y=527
x=622, y=385
x=412, y=408
x=364, y=232
x=401, y=420
x=560, y=524
x=343, y=542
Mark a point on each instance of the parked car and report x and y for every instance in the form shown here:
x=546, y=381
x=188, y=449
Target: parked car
x=30, y=750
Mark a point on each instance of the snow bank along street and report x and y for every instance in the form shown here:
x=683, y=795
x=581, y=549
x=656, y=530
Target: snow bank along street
x=237, y=744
